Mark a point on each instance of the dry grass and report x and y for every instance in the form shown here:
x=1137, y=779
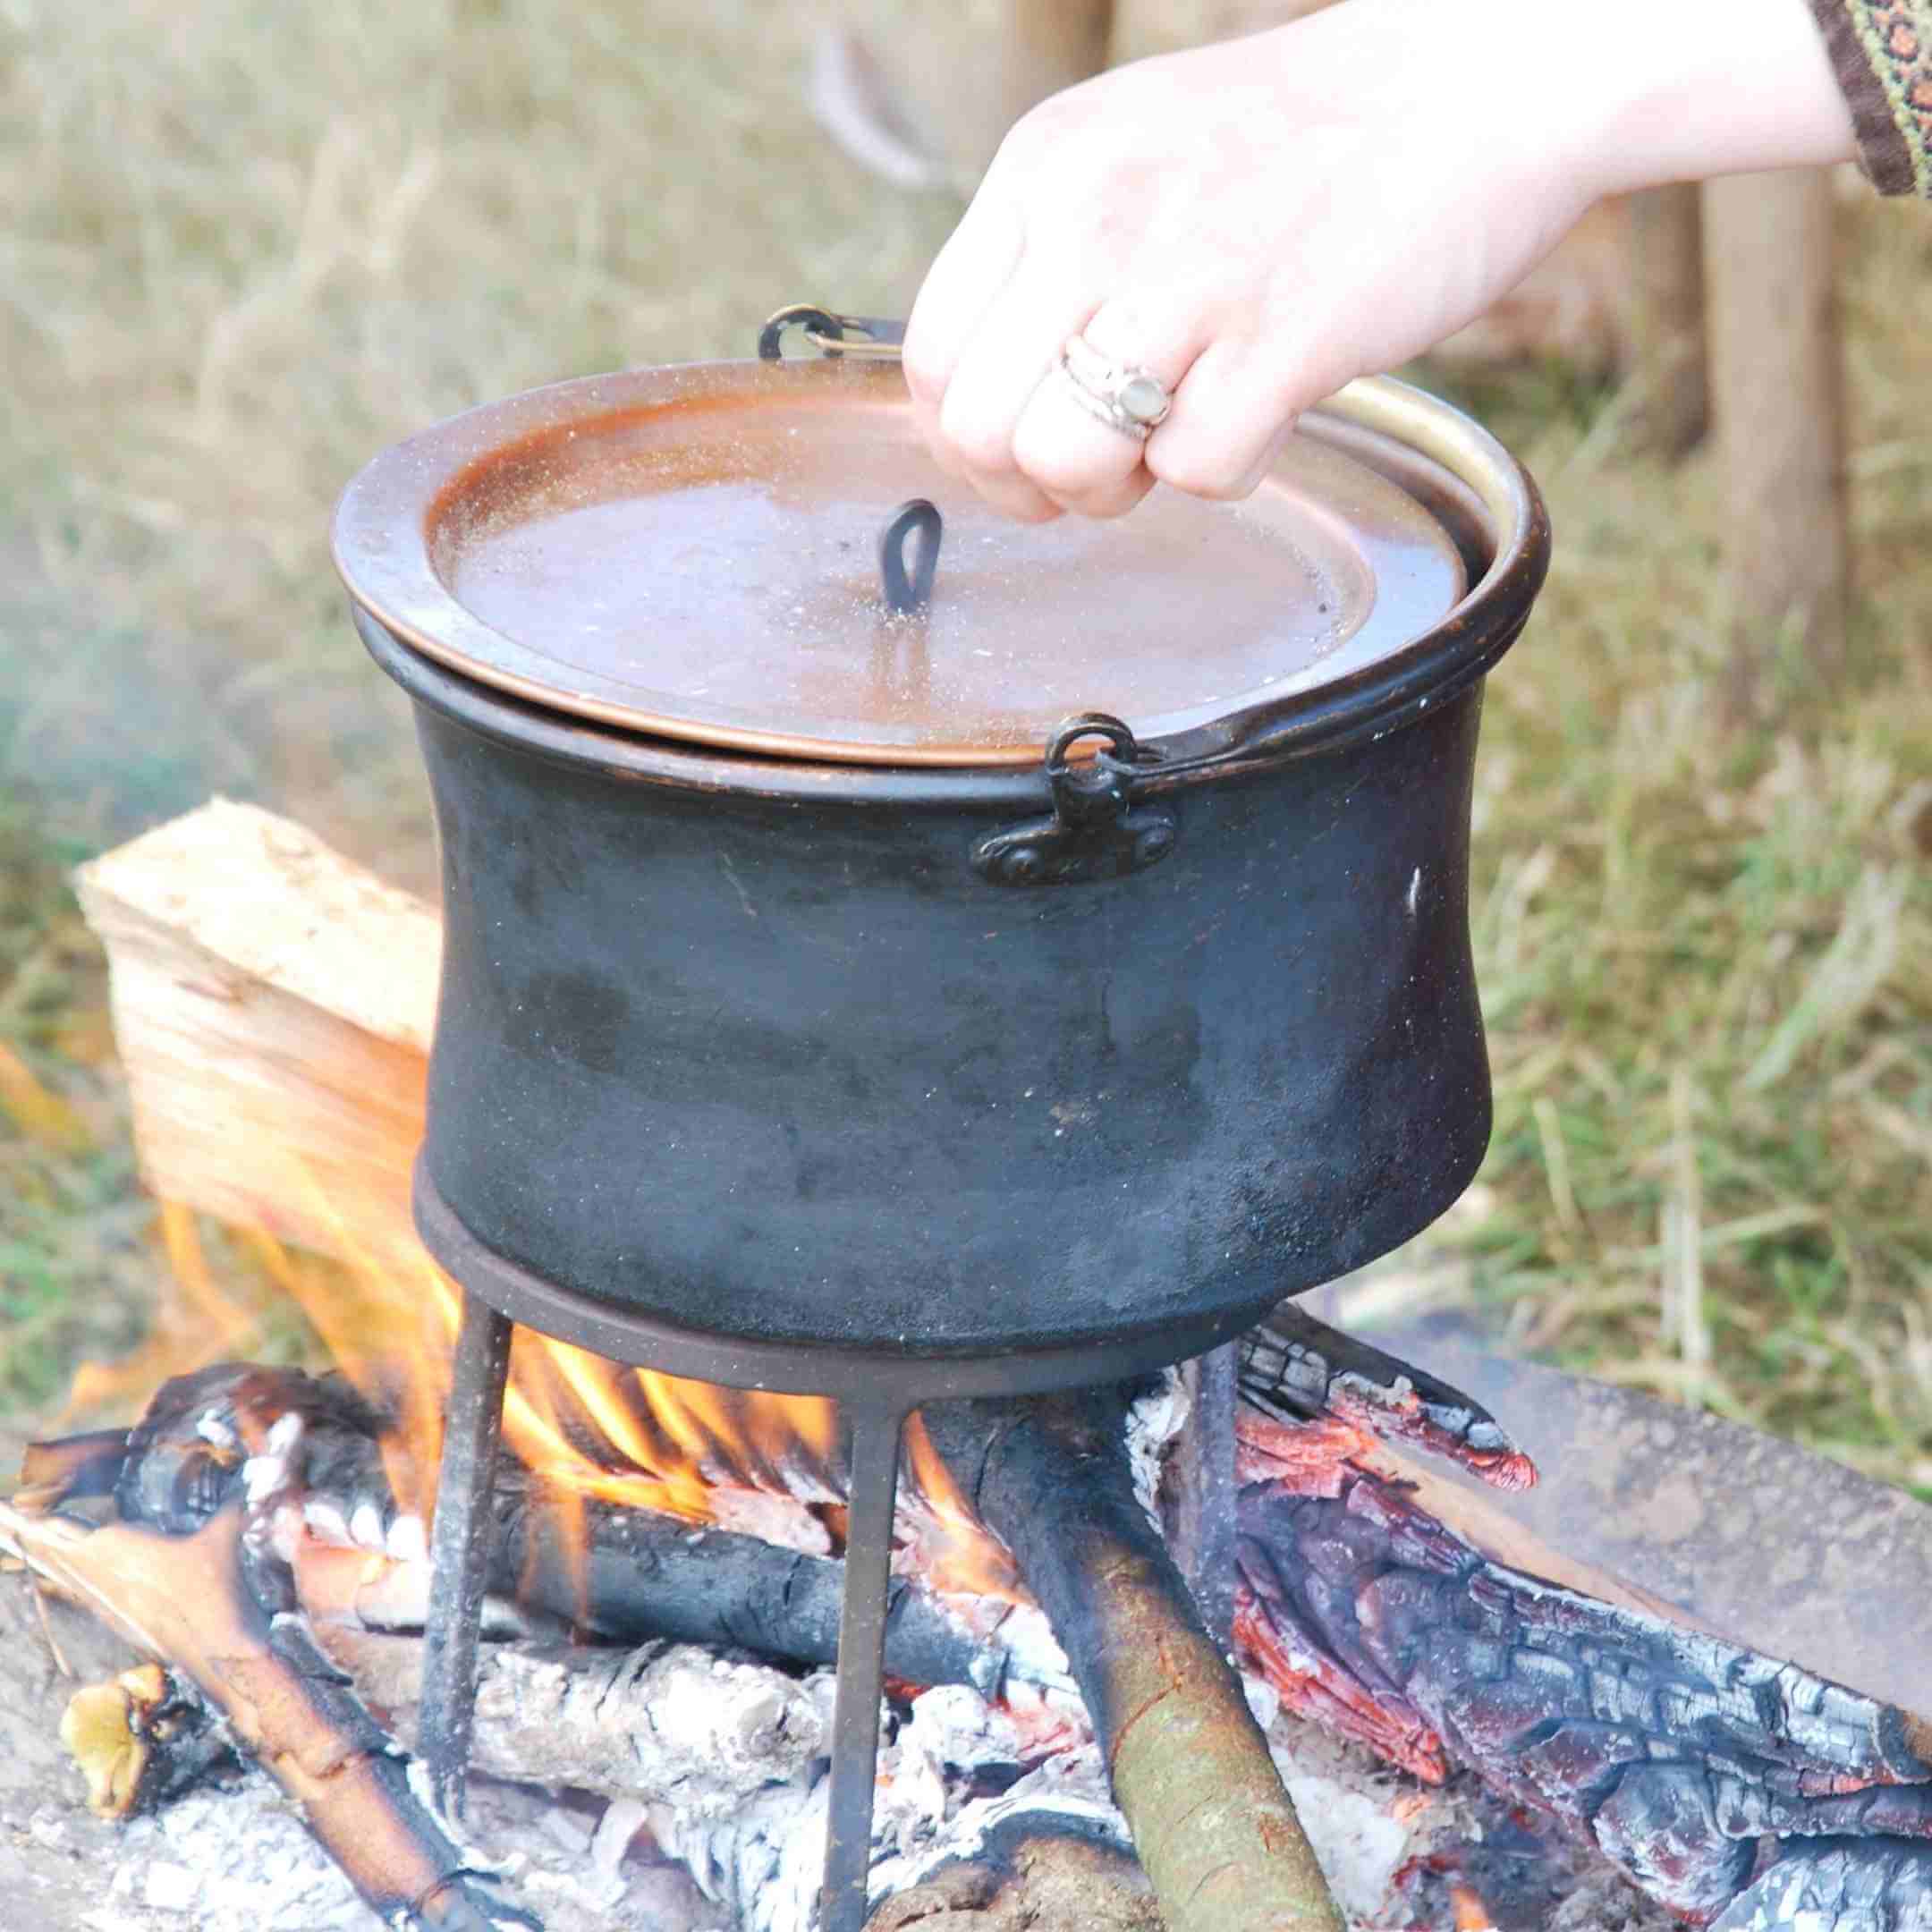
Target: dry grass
x=1704, y=954
x=246, y=246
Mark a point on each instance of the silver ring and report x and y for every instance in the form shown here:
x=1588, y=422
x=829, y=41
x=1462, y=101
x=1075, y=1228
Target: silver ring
x=1133, y=400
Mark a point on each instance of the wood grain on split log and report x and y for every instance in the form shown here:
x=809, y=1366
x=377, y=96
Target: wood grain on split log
x=273, y=1005
x=1211, y=1821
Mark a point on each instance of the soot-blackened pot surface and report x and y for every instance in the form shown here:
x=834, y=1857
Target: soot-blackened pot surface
x=797, y=1070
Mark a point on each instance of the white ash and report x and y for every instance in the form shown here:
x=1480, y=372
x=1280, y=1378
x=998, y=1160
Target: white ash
x=1153, y=1423
x=253, y=1868
x=738, y=1796
x=1020, y=1636
x=762, y=1862
x=667, y=1724
x=238, y=1860
x=1357, y=1840
x=269, y=1473
x=720, y=1765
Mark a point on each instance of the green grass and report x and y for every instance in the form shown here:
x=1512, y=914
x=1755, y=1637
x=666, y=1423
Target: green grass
x=248, y=246
x=1703, y=949
x=74, y=1276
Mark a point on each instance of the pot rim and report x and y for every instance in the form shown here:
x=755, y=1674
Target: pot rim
x=381, y=545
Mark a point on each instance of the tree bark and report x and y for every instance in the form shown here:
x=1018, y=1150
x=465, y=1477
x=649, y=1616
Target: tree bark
x=1142, y=28
x=1778, y=388
x=959, y=76
x=1666, y=319
x=1211, y=1820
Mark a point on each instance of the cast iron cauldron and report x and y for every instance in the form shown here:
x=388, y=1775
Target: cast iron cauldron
x=804, y=982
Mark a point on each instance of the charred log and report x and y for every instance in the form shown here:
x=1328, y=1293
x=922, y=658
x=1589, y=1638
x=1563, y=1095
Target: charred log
x=1672, y=1750
x=1658, y=1744
x=661, y=1721
x=1297, y=1369
x=638, y=1577
x=1871, y=1884
x=1190, y=1769
x=613, y=1575
x=196, y=1601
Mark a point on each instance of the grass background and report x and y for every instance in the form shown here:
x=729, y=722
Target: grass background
x=246, y=246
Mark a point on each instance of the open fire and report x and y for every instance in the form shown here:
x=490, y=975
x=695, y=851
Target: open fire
x=582, y=1425
x=1734, y=1789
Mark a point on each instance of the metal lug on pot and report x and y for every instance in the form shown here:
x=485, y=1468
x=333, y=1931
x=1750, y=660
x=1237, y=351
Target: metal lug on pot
x=1095, y=833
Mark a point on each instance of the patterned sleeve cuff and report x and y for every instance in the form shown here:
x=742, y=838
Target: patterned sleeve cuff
x=1882, y=50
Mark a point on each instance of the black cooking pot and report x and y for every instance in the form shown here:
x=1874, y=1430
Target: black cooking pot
x=805, y=981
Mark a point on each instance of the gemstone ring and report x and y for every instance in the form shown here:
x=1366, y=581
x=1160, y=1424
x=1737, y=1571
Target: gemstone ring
x=1132, y=400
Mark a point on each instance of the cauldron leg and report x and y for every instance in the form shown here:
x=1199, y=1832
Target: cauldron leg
x=458, y=1549
x=871, y=1491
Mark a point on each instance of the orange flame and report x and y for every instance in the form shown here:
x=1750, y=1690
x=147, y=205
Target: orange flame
x=586, y=1427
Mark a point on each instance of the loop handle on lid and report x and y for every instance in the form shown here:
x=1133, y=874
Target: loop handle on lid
x=907, y=591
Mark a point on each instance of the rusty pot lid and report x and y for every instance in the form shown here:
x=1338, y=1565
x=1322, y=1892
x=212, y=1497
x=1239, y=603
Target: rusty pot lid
x=694, y=553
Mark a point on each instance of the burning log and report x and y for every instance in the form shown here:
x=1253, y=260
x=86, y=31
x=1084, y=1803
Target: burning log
x=1675, y=1752
x=1188, y=1765
x=188, y=1599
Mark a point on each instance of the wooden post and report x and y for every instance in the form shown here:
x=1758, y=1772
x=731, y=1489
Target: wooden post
x=1778, y=388
x=958, y=76
x=1666, y=321
x=1142, y=28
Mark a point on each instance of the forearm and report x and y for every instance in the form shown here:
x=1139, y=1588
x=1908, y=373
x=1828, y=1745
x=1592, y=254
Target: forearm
x=1668, y=90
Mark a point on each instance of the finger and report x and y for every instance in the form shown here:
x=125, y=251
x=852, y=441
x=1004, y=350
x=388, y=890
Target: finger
x=964, y=281
x=1230, y=418
x=1011, y=354
x=1086, y=464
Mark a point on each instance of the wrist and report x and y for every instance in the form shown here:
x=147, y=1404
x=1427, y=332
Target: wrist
x=1683, y=89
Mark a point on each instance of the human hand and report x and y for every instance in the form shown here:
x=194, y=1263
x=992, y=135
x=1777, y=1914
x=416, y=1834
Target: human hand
x=1258, y=222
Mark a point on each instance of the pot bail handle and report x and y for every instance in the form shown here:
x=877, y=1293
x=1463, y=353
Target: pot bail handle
x=1095, y=833
x=866, y=338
